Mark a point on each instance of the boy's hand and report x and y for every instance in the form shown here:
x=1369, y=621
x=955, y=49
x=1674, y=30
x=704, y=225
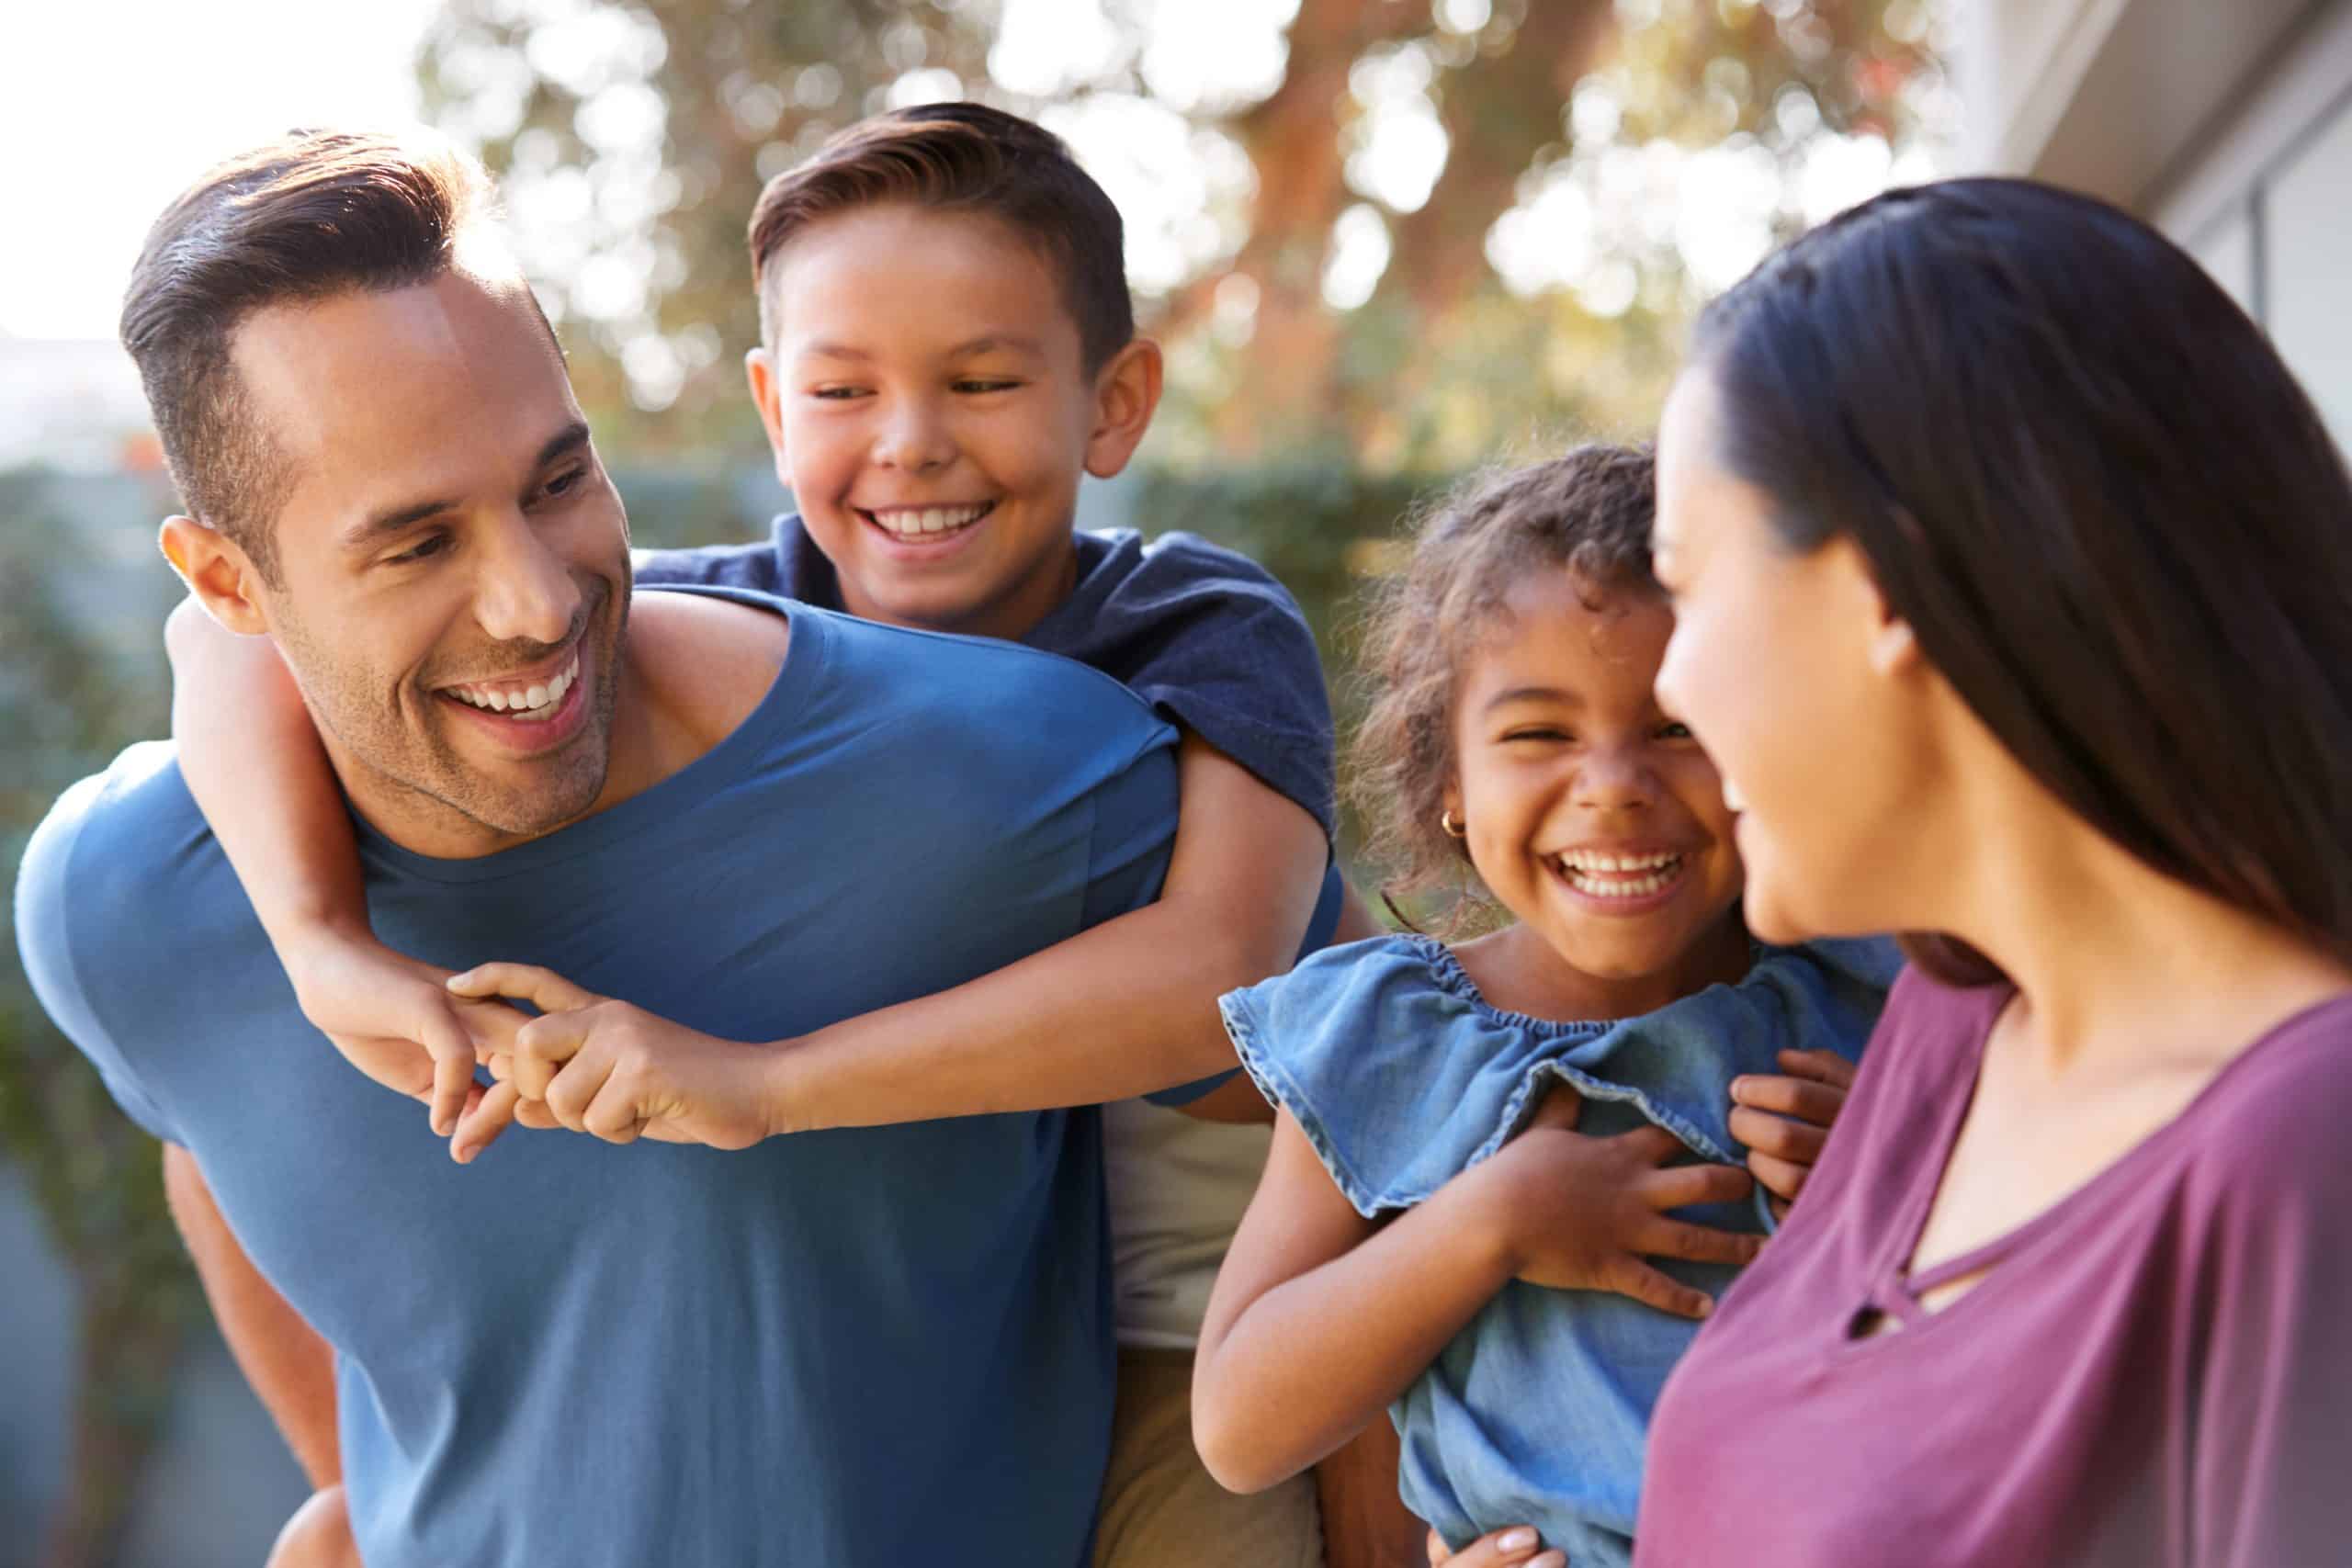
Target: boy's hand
x=394, y=1019
x=1580, y=1213
x=604, y=1068
x=1784, y=1120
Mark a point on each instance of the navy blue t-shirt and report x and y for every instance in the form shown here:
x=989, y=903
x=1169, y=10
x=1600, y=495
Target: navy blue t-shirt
x=1206, y=636
x=863, y=1346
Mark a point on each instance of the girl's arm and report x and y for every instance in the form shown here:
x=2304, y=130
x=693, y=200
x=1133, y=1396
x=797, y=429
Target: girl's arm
x=253, y=761
x=1275, y=1389
x=1124, y=1009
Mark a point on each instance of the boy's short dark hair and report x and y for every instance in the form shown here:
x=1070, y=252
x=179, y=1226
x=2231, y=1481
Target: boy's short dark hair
x=963, y=157
x=306, y=217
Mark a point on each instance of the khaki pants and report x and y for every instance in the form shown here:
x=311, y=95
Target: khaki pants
x=1160, y=1506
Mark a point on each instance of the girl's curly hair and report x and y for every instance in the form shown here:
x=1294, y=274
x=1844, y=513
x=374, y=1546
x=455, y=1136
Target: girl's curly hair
x=1589, y=512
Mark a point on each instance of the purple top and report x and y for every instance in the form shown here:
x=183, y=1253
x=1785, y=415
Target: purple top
x=2156, y=1371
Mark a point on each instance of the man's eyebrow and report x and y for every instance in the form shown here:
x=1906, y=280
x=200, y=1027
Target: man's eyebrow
x=382, y=524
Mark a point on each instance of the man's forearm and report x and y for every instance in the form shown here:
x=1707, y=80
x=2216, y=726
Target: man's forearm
x=290, y=1366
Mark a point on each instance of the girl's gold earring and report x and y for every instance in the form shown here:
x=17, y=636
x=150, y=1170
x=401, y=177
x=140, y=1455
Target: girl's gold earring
x=1452, y=830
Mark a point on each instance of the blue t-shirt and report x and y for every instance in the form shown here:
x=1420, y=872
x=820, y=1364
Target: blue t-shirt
x=1206, y=636
x=1402, y=1076
x=876, y=1345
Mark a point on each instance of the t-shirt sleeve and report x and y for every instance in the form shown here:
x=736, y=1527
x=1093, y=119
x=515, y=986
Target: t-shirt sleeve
x=46, y=927
x=2272, y=1466
x=1232, y=660
x=755, y=566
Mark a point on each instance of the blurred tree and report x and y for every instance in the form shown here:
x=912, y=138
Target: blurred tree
x=1413, y=229
x=68, y=702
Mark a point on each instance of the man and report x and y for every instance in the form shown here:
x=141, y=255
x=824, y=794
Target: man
x=874, y=1346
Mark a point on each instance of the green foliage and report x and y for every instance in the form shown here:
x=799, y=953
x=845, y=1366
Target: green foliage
x=70, y=698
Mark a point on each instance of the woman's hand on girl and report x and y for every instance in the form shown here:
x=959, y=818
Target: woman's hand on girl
x=1514, y=1548
x=1581, y=1214
x=1784, y=1120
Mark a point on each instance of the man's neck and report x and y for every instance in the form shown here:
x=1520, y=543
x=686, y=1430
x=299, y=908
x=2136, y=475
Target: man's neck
x=690, y=670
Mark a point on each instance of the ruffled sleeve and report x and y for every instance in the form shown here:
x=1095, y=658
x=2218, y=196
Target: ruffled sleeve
x=1402, y=1076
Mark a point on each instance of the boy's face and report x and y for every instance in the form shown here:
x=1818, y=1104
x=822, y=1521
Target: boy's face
x=929, y=409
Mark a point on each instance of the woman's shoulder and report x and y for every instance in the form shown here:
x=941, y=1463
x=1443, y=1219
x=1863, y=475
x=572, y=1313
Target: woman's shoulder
x=2268, y=1132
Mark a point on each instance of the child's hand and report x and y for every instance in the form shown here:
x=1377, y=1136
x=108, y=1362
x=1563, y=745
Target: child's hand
x=394, y=1019
x=1581, y=1213
x=1785, y=1120
x=604, y=1068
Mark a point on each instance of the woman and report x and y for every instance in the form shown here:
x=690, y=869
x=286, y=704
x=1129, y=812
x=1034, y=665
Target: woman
x=2013, y=577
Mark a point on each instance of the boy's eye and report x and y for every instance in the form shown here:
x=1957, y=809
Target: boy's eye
x=1675, y=729
x=984, y=384
x=837, y=394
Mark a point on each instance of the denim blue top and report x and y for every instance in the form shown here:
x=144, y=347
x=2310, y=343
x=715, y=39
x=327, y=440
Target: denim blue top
x=1402, y=1076
x=864, y=1347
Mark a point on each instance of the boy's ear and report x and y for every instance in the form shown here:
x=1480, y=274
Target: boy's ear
x=217, y=572
x=1127, y=394
x=758, y=369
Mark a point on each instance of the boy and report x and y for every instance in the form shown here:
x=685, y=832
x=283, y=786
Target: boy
x=949, y=346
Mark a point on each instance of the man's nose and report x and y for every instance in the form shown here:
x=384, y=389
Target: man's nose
x=524, y=591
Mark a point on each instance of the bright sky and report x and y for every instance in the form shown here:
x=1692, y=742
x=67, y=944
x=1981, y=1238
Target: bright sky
x=108, y=108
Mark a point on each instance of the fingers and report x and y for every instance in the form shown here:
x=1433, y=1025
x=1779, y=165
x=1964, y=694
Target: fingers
x=543, y=988
x=542, y=1047
x=573, y=1089
x=479, y=1127
x=1502, y=1548
x=1822, y=1066
x=1680, y=1185
x=1783, y=1179
x=1628, y=1276
x=1798, y=1143
x=1560, y=1107
x=1700, y=1244
x=453, y=1067
x=1807, y=1100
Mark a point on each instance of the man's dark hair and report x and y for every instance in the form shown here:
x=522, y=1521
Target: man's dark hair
x=964, y=158
x=309, y=216
x=2111, y=518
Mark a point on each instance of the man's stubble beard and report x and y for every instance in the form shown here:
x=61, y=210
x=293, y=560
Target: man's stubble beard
x=414, y=775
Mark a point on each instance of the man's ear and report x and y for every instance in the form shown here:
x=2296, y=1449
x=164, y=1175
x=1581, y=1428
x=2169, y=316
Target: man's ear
x=758, y=369
x=1127, y=394
x=217, y=572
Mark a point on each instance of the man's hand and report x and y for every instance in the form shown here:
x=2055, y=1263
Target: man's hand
x=617, y=1072
x=1581, y=1214
x=1503, y=1548
x=394, y=1020
x=1785, y=1120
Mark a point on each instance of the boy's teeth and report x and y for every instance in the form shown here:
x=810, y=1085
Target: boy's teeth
x=914, y=522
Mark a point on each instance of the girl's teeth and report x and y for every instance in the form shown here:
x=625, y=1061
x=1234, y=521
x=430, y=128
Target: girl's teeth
x=1597, y=884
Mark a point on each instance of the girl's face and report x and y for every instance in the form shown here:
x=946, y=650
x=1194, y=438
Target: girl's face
x=1590, y=812
x=1790, y=670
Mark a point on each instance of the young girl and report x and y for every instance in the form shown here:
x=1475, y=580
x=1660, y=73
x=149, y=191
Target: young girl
x=1469, y=1214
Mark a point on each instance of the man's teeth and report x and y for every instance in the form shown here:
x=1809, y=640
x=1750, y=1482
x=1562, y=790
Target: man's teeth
x=535, y=702
x=911, y=522
x=1618, y=876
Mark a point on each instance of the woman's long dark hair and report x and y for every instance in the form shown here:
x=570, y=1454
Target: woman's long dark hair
x=2112, y=519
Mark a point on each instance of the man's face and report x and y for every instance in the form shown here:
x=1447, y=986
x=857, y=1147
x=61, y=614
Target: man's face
x=932, y=414
x=454, y=563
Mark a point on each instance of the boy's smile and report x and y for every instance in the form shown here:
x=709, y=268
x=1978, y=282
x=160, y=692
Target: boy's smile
x=932, y=412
